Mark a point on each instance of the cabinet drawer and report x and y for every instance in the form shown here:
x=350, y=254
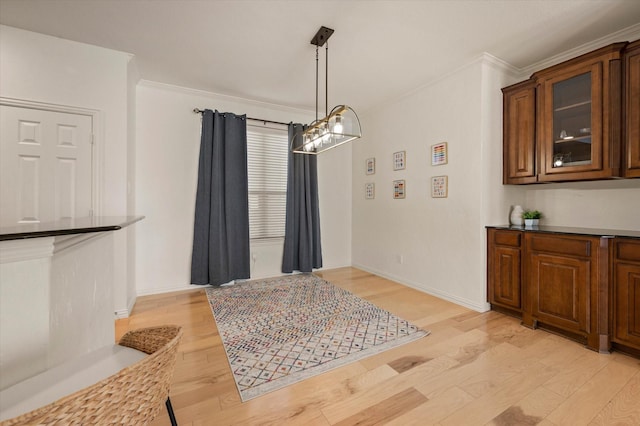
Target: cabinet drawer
x=507, y=238
x=579, y=247
x=628, y=250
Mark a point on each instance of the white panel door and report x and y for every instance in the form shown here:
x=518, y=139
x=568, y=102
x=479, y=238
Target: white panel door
x=45, y=165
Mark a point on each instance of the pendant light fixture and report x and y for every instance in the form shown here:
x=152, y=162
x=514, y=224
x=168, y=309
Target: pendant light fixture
x=339, y=126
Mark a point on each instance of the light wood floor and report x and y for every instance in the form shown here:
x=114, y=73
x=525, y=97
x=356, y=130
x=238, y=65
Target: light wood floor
x=474, y=369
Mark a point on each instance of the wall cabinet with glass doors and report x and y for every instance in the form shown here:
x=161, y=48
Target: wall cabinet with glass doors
x=566, y=122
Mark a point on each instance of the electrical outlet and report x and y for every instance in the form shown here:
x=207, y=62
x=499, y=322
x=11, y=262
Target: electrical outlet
x=254, y=257
x=401, y=259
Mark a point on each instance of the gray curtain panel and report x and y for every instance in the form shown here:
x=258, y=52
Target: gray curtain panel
x=302, y=248
x=221, y=229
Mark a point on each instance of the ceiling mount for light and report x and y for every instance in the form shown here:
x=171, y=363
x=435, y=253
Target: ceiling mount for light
x=321, y=36
x=339, y=126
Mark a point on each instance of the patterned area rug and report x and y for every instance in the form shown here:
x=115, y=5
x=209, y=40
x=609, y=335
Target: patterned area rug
x=282, y=330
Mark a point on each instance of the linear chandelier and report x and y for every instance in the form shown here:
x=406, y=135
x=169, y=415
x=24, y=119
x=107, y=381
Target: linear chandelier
x=339, y=126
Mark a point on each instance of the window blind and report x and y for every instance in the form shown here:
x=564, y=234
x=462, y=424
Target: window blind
x=267, y=151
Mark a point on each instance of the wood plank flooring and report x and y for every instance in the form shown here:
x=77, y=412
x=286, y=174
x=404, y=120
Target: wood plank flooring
x=474, y=369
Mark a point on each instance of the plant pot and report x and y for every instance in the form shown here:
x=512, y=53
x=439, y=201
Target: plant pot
x=530, y=223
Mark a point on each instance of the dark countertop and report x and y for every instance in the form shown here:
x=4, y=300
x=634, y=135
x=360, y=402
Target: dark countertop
x=79, y=225
x=568, y=230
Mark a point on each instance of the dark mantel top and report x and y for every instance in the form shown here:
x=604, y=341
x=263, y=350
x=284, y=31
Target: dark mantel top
x=569, y=230
x=79, y=225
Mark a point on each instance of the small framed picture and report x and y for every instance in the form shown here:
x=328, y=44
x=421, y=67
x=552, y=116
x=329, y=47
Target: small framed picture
x=439, y=154
x=370, y=166
x=369, y=191
x=439, y=186
x=399, y=160
x=399, y=189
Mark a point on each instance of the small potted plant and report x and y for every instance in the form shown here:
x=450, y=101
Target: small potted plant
x=531, y=218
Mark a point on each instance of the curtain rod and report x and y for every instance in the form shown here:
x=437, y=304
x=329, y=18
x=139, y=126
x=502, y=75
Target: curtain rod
x=200, y=111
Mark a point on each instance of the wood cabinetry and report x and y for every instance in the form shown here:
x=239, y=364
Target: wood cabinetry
x=561, y=275
x=566, y=122
x=504, y=268
x=580, y=117
x=519, y=141
x=626, y=291
x=631, y=159
x=584, y=286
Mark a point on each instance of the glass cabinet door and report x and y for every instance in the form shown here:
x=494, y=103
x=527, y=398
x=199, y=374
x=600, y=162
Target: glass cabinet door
x=572, y=108
x=571, y=133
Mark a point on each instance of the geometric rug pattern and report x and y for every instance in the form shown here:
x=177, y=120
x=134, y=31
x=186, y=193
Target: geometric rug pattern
x=279, y=331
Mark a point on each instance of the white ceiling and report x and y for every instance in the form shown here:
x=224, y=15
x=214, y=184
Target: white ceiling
x=260, y=49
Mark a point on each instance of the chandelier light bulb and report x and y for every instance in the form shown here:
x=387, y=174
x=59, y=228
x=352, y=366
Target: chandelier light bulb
x=337, y=128
x=325, y=134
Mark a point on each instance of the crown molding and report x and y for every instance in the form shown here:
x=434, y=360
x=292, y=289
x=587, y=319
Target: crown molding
x=498, y=63
x=626, y=34
x=229, y=98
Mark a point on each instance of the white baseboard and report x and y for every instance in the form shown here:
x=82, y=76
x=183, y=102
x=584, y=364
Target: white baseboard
x=148, y=292
x=162, y=290
x=478, y=307
x=125, y=313
x=183, y=287
x=122, y=313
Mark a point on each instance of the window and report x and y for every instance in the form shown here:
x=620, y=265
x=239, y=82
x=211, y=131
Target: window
x=267, y=150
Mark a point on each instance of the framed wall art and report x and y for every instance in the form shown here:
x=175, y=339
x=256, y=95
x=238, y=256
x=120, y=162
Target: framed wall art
x=439, y=155
x=399, y=160
x=370, y=166
x=399, y=189
x=439, y=186
x=369, y=191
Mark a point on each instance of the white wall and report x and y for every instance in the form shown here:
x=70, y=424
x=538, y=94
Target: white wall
x=167, y=149
x=602, y=204
x=124, y=301
x=25, y=275
x=433, y=244
x=497, y=199
x=47, y=69
x=56, y=298
x=81, y=289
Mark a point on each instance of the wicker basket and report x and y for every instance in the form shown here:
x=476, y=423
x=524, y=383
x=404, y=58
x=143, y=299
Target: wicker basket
x=133, y=396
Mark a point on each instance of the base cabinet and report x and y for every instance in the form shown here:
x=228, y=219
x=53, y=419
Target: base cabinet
x=561, y=275
x=504, y=269
x=586, y=287
x=626, y=290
